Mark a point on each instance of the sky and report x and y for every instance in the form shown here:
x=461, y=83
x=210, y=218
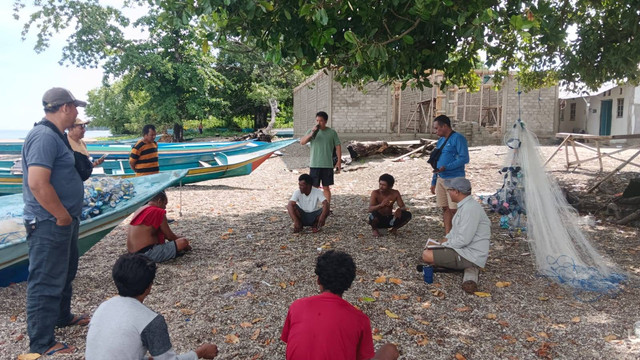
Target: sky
x=25, y=75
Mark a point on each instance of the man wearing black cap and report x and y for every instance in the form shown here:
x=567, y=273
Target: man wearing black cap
x=53, y=195
x=466, y=246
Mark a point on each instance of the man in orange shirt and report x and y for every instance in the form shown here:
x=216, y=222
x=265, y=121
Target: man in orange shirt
x=143, y=158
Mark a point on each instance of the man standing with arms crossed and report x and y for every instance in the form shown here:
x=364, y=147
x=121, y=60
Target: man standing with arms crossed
x=453, y=156
x=53, y=195
x=323, y=140
x=143, y=158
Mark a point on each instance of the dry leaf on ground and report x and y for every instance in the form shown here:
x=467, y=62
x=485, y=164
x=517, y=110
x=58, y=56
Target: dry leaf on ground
x=231, y=339
x=391, y=314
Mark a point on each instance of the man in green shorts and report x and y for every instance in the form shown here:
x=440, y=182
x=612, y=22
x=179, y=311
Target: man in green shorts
x=323, y=140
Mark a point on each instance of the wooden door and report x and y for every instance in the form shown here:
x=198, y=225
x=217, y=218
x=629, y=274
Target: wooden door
x=605, y=117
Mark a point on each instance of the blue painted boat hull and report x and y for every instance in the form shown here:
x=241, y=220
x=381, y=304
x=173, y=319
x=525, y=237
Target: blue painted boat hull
x=14, y=255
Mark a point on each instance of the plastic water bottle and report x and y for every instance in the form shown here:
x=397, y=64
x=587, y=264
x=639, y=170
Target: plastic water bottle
x=427, y=274
x=636, y=329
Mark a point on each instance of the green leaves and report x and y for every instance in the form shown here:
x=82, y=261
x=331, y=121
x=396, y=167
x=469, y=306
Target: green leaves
x=350, y=37
x=385, y=40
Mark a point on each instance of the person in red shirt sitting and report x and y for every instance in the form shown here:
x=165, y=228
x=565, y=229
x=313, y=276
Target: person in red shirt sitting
x=149, y=229
x=327, y=327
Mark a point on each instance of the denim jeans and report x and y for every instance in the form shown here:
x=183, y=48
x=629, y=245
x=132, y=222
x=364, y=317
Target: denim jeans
x=53, y=263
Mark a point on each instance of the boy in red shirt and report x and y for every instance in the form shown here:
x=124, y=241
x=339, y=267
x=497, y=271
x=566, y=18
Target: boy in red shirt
x=327, y=327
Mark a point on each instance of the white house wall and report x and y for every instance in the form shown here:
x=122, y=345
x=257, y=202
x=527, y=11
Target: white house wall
x=634, y=111
x=619, y=125
x=579, y=123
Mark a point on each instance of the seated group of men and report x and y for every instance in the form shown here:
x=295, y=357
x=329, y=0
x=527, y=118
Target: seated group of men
x=309, y=207
x=465, y=246
x=319, y=327
x=324, y=326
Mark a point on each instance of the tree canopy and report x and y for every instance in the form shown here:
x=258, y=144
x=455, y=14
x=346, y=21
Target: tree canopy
x=167, y=76
x=546, y=41
x=252, y=81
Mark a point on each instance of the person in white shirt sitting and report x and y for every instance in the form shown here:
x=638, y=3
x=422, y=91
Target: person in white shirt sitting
x=466, y=246
x=307, y=206
x=124, y=328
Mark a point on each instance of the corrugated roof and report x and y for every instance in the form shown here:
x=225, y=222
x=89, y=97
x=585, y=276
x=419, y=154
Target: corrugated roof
x=584, y=91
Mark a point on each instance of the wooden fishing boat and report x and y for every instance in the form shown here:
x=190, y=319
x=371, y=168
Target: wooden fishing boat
x=119, y=150
x=13, y=245
x=207, y=166
x=229, y=163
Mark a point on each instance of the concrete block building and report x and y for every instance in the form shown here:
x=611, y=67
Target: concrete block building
x=611, y=110
x=387, y=110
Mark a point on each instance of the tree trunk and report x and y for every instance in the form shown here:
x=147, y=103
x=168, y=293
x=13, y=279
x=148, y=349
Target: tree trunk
x=261, y=118
x=274, y=112
x=178, y=133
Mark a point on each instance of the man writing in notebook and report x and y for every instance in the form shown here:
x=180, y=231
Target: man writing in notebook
x=466, y=246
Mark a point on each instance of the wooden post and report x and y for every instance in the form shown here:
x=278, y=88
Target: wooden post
x=481, y=92
x=464, y=107
x=599, y=155
x=575, y=152
x=613, y=172
x=566, y=153
x=556, y=150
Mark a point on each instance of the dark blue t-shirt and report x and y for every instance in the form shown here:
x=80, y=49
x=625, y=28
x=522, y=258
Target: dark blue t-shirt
x=44, y=148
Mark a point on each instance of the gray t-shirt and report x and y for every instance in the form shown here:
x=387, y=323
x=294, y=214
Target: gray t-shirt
x=44, y=148
x=123, y=328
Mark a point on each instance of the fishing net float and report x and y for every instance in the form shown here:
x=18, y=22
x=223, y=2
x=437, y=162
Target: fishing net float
x=562, y=251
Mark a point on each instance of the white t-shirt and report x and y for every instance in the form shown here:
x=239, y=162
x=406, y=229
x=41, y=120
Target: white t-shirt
x=311, y=202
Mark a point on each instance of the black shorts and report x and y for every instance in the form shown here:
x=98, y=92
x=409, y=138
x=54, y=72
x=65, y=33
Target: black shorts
x=321, y=174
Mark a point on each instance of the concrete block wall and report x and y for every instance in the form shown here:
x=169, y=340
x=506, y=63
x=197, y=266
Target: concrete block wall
x=490, y=97
x=539, y=109
x=311, y=96
x=477, y=135
x=409, y=99
x=352, y=111
x=366, y=111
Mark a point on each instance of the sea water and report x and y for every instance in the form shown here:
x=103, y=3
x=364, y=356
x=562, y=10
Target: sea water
x=21, y=134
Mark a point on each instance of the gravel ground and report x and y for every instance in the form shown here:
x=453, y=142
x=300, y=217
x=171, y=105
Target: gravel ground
x=247, y=267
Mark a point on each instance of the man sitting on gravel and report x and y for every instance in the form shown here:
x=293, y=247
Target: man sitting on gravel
x=307, y=206
x=123, y=328
x=466, y=246
x=149, y=229
x=326, y=326
x=381, y=211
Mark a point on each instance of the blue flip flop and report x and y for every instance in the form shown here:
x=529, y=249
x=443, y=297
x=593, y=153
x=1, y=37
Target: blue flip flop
x=52, y=352
x=78, y=318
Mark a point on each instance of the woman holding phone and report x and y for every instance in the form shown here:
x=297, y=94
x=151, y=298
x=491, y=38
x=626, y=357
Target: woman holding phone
x=75, y=135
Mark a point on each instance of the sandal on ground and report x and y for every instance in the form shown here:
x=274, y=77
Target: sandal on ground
x=469, y=286
x=80, y=320
x=315, y=230
x=64, y=349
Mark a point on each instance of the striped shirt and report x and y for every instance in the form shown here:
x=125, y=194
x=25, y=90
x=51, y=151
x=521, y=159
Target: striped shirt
x=145, y=157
